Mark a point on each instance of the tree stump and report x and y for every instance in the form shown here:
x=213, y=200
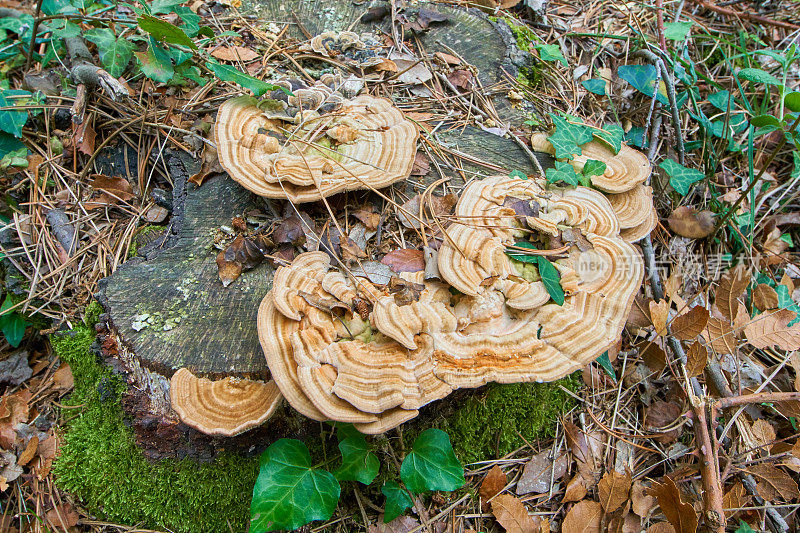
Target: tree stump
x=167, y=309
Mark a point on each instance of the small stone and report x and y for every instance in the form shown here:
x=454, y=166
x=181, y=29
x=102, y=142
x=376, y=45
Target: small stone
x=156, y=215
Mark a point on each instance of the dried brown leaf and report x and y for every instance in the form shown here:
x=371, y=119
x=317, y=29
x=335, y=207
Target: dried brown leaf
x=613, y=490
x=660, y=527
x=772, y=329
x=63, y=379
x=510, y=512
x=764, y=433
x=368, y=217
x=696, y=359
x=228, y=271
x=658, y=315
x=680, y=514
x=662, y=415
x=401, y=524
x=540, y=473
x=721, y=336
x=29, y=452
x=731, y=286
x=653, y=355
x=690, y=324
x=641, y=502
x=584, y=517
x=405, y=260
x=774, y=484
x=235, y=53
x=579, y=446
x=62, y=516
x=736, y=497
x=575, y=490
x=493, y=483
x=765, y=297
x=688, y=222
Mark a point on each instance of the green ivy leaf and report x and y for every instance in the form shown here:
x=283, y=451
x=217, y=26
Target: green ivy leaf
x=161, y=30
x=551, y=279
x=762, y=121
x=792, y=101
x=680, y=177
x=612, y=135
x=432, y=465
x=9, y=144
x=593, y=167
x=162, y=7
x=744, y=527
x=722, y=100
x=156, y=63
x=756, y=75
x=643, y=78
x=605, y=362
x=562, y=172
x=677, y=31
x=358, y=462
x=18, y=158
x=13, y=121
x=115, y=53
x=289, y=492
x=595, y=86
x=568, y=138
x=519, y=256
x=518, y=174
x=12, y=324
x=796, y=167
x=397, y=501
x=232, y=74
x=551, y=52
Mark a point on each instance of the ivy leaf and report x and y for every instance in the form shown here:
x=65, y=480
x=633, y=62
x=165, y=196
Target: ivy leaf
x=593, y=167
x=9, y=144
x=159, y=7
x=612, y=135
x=756, y=75
x=605, y=362
x=161, y=30
x=524, y=258
x=680, y=177
x=643, y=78
x=232, y=74
x=12, y=121
x=156, y=63
x=595, y=86
x=568, y=138
x=796, y=168
x=562, y=172
x=397, y=501
x=677, y=31
x=115, y=53
x=358, y=462
x=289, y=492
x=432, y=465
x=12, y=324
x=517, y=174
x=551, y=52
x=551, y=279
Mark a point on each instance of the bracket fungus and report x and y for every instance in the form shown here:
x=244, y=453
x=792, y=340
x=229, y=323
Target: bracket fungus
x=226, y=407
x=376, y=371
x=314, y=142
x=623, y=182
x=354, y=49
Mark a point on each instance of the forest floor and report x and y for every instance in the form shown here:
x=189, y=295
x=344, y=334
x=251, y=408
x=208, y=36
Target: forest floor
x=692, y=416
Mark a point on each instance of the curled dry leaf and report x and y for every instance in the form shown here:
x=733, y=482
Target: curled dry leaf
x=575, y=490
x=209, y=167
x=731, y=286
x=613, y=490
x=368, y=217
x=541, y=472
x=690, y=324
x=653, y=355
x=764, y=297
x=62, y=516
x=660, y=417
x=493, y=483
x=111, y=191
x=772, y=329
x=29, y=452
x=584, y=517
x=511, y=513
x=405, y=260
x=696, y=359
x=736, y=497
x=658, y=315
x=582, y=451
x=680, y=514
x=660, y=527
x=774, y=484
x=688, y=222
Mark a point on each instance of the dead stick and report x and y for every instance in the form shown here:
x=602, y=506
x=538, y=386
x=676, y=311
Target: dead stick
x=709, y=469
x=745, y=399
x=746, y=16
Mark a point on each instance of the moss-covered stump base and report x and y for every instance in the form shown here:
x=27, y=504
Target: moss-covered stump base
x=100, y=463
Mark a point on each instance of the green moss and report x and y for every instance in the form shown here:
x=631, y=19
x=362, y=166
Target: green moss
x=499, y=419
x=100, y=463
x=142, y=237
